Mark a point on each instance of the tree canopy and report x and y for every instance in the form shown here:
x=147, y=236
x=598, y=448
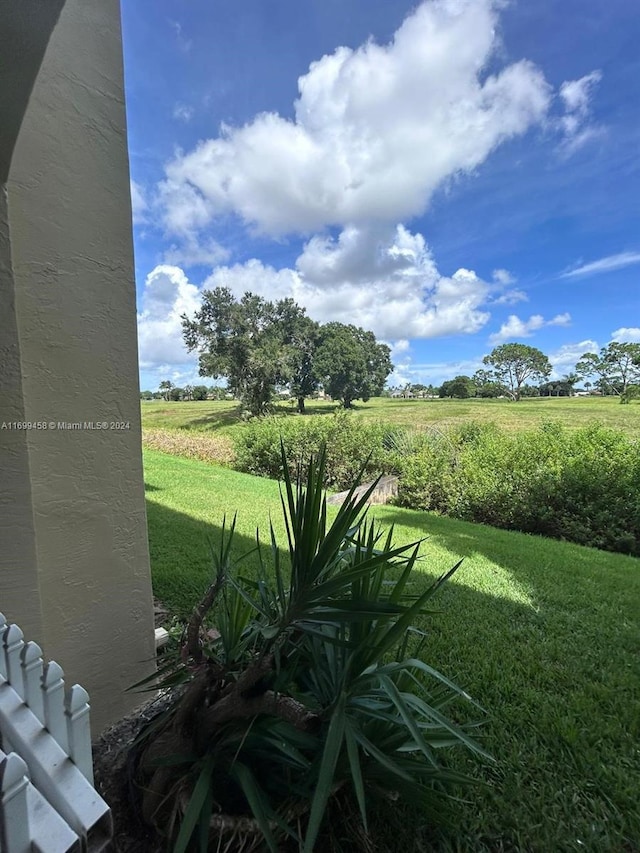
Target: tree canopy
x=617, y=366
x=258, y=345
x=514, y=363
x=350, y=363
x=251, y=342
x=461, y=387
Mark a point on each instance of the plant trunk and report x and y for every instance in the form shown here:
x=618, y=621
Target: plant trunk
x=301, y=405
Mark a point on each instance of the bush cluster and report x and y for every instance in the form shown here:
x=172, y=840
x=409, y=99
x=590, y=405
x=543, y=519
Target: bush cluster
x=582, y=486
x=350, y=443
x=190, y=445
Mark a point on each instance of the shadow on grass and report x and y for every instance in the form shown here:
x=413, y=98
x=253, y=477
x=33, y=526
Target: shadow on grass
x=216, y=420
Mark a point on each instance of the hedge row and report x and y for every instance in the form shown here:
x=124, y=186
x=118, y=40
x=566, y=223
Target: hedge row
x=582, y=485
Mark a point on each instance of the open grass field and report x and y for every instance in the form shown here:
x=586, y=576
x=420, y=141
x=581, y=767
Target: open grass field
x=574, y=412
x=544, y=634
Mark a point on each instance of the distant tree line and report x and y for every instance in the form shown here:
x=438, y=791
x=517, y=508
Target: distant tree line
x=261, y=346
x=516, y=370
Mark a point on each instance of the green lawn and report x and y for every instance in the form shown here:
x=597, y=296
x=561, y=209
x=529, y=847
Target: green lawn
x=544, y=634
x=574, y=412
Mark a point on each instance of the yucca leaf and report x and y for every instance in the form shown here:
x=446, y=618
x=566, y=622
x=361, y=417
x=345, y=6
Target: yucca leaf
x=204, y=828
x=398, y=700
x=356, y=772
x=256, y=799
x=325, y=781
x=424, y=708
x=193, y=812
x=382, y=759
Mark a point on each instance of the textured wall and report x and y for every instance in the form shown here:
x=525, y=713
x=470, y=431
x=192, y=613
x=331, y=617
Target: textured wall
x=71, y=327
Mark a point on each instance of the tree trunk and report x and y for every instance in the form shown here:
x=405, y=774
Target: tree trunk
x=301, y=405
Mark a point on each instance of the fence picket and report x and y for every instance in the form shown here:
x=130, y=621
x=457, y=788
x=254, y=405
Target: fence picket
x=53, y=696
x=15, y=836
x=13, y=643
x=46, y=732
x=76, y=708
x=32, y=671
x=3, y=663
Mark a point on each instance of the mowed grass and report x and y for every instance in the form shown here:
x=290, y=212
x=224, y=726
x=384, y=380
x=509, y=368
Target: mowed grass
x=544, y=634
x=574, y=412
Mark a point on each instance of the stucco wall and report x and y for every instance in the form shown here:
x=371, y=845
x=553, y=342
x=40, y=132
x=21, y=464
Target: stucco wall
x=73, y=514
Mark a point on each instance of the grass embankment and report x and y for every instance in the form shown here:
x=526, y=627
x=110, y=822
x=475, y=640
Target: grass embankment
x=544, y=634
x=224, y=418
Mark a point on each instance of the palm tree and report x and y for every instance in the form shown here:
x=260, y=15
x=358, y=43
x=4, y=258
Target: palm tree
x=570, y=380
x=165, y=387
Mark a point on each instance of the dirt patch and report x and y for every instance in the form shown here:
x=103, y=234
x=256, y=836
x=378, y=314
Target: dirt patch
x=112, y=768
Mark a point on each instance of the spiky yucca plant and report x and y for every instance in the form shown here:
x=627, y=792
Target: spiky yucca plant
x=305, y=692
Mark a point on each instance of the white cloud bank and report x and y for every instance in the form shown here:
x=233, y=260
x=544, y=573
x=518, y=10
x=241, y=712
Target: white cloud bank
x=167, y=294
x=517, y=328
x=626, y=335
x=381, y=279
x=376, y=131
x=139, y=204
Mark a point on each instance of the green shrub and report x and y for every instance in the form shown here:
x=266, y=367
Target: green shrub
x=313, y=690
x=349, y=441
x=582, y=486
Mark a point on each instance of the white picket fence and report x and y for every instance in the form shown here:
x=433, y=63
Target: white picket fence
x=47, y=800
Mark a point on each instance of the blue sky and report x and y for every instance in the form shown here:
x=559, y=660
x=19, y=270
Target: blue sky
x=451, y=175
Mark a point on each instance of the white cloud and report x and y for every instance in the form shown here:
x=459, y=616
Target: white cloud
x=139, y=204
x=608, y=264
x=398, y=347
x=192, y=252
x=381, y=279
x=167, y=294
x=511, y=297
x=436, y=373
x=576, y=96
x=517, y=328
x=626, y=334
x=401, y=360
x=503, y=277
x=567, y=355
x=183, y=112
x=184, y=43
x=565, y=358
x=376, y=131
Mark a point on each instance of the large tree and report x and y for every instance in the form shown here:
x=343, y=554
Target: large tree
x=251, y=342
x=300, y=339
x=461, y=387
x=514, y=363
x=617, y=366
x=350, y=363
